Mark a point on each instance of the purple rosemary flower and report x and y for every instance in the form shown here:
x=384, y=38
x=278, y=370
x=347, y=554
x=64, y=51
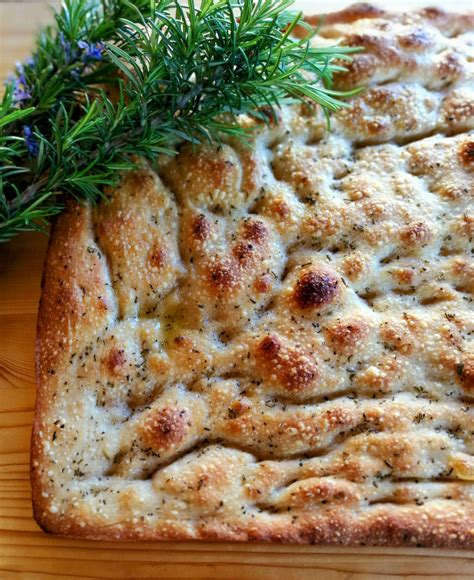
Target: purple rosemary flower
x=31, y=143
x=66, y=46
x=20, y=91
x=91, y=51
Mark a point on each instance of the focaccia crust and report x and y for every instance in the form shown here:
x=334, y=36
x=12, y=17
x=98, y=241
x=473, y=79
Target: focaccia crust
x=276, y=343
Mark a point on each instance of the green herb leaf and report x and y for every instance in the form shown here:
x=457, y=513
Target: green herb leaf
x=116, y=78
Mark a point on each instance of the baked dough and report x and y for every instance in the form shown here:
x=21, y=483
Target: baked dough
x=276, y=343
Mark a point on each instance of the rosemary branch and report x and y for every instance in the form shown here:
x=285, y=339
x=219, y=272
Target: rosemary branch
x=117, y=78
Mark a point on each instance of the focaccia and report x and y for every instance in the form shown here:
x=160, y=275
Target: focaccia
x=275, y=343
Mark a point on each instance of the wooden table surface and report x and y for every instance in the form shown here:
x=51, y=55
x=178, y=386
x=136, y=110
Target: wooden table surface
x=25, y=551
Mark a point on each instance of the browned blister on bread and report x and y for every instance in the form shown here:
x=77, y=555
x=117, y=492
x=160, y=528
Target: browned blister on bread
x=275, y=343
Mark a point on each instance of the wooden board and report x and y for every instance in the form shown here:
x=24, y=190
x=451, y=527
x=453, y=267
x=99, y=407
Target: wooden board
x=27, y=552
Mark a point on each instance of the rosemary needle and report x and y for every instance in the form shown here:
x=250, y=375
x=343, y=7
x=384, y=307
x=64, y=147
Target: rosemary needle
x=116, y=78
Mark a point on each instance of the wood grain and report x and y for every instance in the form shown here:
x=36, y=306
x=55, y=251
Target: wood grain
x=25, y=551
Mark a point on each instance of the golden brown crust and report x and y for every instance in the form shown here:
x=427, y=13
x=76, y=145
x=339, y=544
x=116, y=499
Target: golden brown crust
x=450, y=23
x=360, y=10
x=276, y=343
x=75, y=294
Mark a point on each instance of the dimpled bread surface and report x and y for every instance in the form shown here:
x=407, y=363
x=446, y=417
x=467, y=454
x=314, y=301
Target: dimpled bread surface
x=275, y=342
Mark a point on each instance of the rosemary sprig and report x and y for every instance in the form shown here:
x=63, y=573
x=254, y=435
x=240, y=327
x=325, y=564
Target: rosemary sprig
x=117, y=78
